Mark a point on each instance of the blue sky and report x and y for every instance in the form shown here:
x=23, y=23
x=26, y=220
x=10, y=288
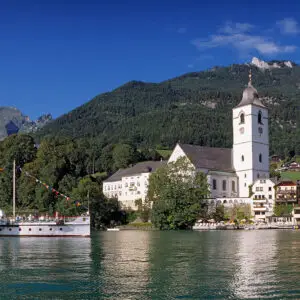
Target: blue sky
x=56, y=55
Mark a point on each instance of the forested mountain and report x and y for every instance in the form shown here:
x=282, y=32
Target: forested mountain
x=193, y=108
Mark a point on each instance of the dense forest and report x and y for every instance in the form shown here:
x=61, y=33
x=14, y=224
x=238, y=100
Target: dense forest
x=64, y=175
x=193, y=108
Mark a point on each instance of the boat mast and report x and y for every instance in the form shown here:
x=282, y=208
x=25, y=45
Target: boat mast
x=88, y=197
x=14, y=189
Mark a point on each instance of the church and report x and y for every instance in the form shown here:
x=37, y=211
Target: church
x=231, y=172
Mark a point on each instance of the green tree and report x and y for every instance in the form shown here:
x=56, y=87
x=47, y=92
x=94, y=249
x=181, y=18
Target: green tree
x=177, y=194
x=282, y=209
x=123, y=155
x=219, y=214
x=144, y=209
x=104, y=212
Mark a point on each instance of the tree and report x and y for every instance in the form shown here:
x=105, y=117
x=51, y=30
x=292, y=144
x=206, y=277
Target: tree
x=282, y=209
x=238, y=212
x=104, y=212
x=219, y=214
x=178, y=195
x=144, y=209
x=123, y=155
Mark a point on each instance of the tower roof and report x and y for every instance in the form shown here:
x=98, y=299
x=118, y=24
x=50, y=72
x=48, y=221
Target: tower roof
x=250, y=95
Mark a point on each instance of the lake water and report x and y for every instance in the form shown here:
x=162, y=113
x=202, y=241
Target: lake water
x=153, y=265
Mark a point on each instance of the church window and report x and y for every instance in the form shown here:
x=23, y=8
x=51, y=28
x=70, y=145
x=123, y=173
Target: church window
x=214, y=184
x=243, y=158
x=245, y=175
x=260, y=158
x=259, y=118
x=245, y=184
x=257, y=175
x=233, y=185
x=242, y=118
x=224, y=185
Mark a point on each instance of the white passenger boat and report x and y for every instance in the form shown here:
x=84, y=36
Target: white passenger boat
x=60, y=227
x=43, y=226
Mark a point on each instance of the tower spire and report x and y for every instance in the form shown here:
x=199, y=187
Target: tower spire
x=250, y=77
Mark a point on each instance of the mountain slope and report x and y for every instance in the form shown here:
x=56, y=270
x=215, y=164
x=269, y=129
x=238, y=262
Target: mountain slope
x=193, y=108
x=13, y=121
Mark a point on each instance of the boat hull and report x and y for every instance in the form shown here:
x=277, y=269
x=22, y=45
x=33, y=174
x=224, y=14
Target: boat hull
x=80, y=227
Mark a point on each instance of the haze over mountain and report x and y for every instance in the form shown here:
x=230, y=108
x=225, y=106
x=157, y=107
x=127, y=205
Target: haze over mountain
x=193, y=108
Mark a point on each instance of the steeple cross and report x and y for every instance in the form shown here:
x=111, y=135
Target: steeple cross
x=250, y=77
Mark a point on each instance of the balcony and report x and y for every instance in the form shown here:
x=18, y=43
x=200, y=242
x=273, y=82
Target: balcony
x=260, y=200
x=259, y=208
x=284, y=192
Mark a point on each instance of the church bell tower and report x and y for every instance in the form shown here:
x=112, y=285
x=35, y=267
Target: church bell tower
x=250, y=139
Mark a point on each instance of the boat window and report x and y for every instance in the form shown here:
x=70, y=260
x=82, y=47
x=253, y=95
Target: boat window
x=29, y=229
x=50, y=229
x=9, y=229
x=0, y=229
x=60, y=228
x=40, y=229
x=20, y=229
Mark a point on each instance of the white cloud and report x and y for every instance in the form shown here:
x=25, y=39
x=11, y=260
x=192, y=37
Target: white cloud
x=237, y=37
x=233, y=28
x=182, y=30
x=191, y=66
x=288, y=26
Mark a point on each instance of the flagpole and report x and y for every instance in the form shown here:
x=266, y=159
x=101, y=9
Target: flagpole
x=14, y=189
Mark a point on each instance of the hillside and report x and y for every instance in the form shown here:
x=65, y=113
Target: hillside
x=13, y=121
x=193, y=108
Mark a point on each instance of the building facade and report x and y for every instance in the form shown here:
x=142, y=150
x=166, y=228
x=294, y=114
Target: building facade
x=287, y=192
x=263, y=198
x=131, y=184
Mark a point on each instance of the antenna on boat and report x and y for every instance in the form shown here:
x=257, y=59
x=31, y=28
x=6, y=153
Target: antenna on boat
x=14, y=189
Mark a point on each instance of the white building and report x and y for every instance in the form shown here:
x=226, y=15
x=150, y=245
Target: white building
x=263, y=198
x=128, y=185
x=231, y=172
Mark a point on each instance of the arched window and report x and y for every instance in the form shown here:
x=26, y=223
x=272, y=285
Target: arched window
x=224, y=185
x=214, y=184
x=259, y=117
x=242, y=118
x=260, y=158
x=243, y=158
x=233, y=185
x=258, y=175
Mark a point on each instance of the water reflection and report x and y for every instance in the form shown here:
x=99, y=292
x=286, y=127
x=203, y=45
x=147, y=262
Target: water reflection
x=256, y=261
x=31, y=266
x=125, y=264
x=153, y=265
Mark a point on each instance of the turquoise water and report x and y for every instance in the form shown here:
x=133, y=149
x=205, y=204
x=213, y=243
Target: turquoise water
x=153, y=265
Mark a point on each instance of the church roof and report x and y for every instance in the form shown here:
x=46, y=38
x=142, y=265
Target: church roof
x=250, y=95
x=142, y=167
x=209, y=158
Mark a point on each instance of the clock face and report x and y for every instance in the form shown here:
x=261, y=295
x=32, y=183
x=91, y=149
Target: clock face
x=260, y=130
x=242, y=130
